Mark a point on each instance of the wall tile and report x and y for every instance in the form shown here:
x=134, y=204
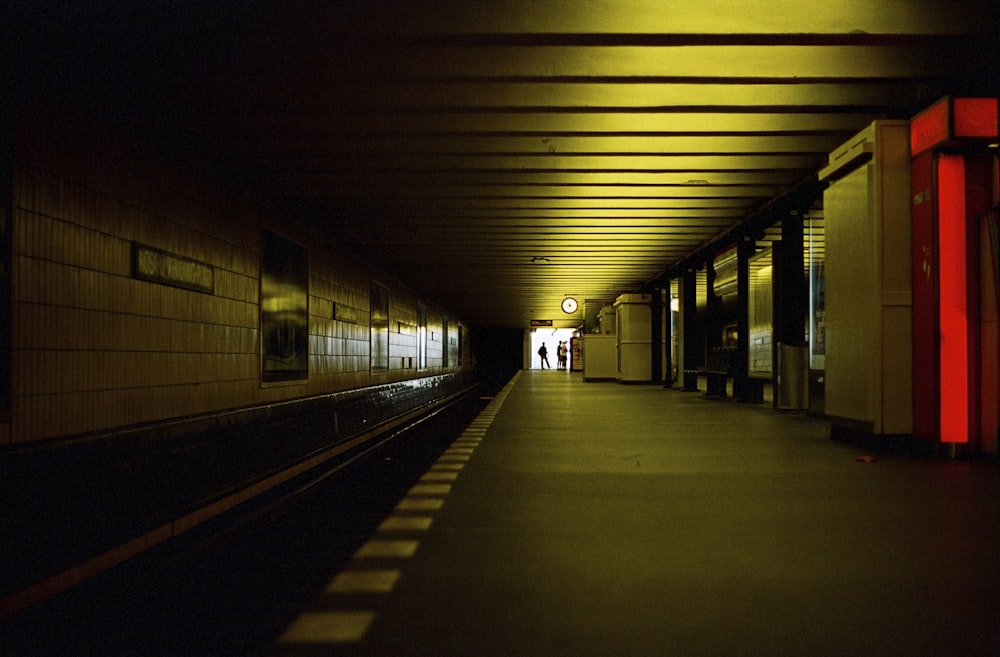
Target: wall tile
x=95, y=349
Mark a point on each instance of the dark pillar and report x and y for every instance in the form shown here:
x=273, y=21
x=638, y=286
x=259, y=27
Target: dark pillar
x=692, y=339
x=791, y=303
x=668, y=373
x=745, y=250
x=714, y=384
x=656, y=334
x=791, y=290
x=6, y=214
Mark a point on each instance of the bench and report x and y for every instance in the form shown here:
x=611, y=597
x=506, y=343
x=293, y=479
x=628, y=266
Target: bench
x=718, y=370
x=715, y=383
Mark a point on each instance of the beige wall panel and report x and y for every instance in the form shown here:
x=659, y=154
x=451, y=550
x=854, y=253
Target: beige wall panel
x=851, y=275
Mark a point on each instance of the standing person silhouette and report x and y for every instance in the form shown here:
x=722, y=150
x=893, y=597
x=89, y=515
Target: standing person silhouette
x=543, y=354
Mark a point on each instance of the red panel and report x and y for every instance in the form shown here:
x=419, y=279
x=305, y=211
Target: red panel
x=989, y=344
x=953, y=303
x=976, y=117
x=979, y=186
x=931, y=127
x=925, y=318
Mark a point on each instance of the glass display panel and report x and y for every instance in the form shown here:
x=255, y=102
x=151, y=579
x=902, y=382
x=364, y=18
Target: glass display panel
x=421, y=337
x=761, y=319
x=379, y=328
x=817, y=310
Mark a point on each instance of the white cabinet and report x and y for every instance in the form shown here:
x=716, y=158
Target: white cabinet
x=600, y=357
x=635, y=338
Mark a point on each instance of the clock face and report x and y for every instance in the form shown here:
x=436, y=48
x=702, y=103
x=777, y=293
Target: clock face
x=569, y=305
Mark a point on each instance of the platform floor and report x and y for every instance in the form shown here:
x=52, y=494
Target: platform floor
x=603, y=519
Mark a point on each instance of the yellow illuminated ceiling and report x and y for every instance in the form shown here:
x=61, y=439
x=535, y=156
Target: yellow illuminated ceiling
x=497, y=156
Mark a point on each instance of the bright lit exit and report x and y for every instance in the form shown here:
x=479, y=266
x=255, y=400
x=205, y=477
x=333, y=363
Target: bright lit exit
x=551, y=337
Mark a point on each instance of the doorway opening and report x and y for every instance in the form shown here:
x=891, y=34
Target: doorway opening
x=551, y=337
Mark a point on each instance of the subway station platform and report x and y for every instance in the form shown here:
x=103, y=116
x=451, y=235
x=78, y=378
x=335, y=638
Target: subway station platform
x=599, y=519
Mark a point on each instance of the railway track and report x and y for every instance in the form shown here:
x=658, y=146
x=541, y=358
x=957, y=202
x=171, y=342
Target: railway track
x=232, y=586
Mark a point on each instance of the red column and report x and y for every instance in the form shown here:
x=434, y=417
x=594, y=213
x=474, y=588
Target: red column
x=953, y=302
x=925, y=275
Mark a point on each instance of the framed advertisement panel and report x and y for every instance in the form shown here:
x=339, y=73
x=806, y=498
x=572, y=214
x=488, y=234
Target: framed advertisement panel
x=284, y=310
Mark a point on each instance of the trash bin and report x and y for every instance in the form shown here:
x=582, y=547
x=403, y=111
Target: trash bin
x=793, y=377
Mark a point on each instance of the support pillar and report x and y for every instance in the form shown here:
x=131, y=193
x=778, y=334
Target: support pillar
x=656, y=335
x=791, y=307
x=668, y=358
x=745, y=249
x=690, y=334
x=791, y=289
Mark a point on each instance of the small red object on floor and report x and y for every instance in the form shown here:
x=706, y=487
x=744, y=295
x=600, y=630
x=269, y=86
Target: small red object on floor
x=865, y=459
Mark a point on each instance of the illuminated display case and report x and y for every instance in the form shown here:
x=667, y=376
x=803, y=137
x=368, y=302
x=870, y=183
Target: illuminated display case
x=760, y=353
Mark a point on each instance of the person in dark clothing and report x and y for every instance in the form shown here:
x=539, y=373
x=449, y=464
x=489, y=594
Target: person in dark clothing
x=543, y=355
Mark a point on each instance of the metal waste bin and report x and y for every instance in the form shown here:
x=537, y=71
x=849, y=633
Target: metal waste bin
x=793, y=377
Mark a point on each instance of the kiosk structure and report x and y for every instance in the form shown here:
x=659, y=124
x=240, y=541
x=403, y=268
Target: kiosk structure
x=635, y=338
x=868, y=301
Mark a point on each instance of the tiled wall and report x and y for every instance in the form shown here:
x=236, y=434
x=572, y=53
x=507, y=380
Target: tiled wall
x=96, y=349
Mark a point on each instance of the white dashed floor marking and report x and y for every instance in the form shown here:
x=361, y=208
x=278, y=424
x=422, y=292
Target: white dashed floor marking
x=344, y=627
x=329, y=627
x=406, y=524
x=363, y=581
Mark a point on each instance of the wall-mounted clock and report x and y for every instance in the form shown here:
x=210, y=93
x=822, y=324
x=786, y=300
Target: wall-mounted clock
x=569, y=305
